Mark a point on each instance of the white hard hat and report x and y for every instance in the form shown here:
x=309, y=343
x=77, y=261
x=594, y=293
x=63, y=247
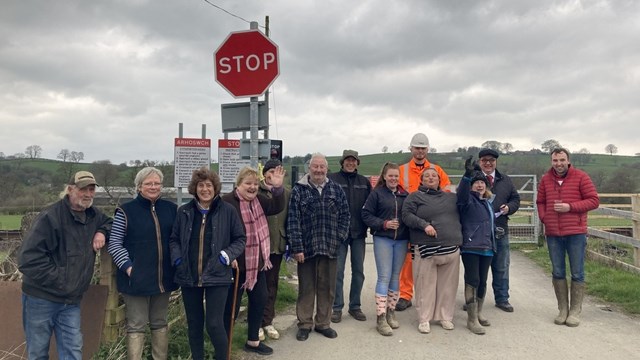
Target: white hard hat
x=420, y=140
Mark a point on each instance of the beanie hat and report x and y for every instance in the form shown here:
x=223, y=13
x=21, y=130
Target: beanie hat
x=270, y=164
x=349, y=153
x=479, y=176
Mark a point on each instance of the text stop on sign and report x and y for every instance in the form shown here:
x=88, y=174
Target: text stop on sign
x=246, y=63
x=241, y=63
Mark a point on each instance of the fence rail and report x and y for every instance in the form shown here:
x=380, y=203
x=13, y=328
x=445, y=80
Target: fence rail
x=633, y=215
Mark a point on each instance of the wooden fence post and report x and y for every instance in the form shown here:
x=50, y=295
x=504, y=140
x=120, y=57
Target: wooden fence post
x=635, y=208
x=113, y=314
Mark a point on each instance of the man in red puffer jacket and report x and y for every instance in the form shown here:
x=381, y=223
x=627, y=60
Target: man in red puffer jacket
x=565, y=195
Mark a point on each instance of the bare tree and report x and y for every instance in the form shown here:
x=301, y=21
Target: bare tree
x=64, y=154
x=507, y=148
x=33, y=151
x=611, y=149
x=385, y=149
x=2, y=155
x=550, y=144
x=582, y=157
x=492, y=144
x=76, y=156
x=106, y=175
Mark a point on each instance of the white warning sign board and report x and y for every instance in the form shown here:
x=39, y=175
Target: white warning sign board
x=190, y=154
x=230, y=162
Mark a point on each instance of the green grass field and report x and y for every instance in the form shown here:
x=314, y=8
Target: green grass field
x=10, y=222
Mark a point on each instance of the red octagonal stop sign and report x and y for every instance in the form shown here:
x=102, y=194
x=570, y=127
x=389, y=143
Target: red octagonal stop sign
x=246, y=63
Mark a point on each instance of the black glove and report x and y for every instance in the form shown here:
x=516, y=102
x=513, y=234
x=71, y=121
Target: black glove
x=469, y=167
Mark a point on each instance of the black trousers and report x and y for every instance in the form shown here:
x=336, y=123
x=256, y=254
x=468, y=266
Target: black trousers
x=257, y=300
x=210, y=315
x=476, y=271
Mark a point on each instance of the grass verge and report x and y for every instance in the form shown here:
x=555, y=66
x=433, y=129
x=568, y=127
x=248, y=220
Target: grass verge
x=614, y=285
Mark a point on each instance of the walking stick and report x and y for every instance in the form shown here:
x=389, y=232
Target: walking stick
x=233, y=311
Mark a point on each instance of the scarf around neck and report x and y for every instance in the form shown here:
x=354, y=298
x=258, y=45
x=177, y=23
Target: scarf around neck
x=258, y=242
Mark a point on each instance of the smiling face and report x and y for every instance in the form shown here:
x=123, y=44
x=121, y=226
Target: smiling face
x=391, y=178
x=318, y=170
x=205, y=191
x=560, y=162
x=488, y=164
x=350, y=164
x=430, y=178
x=151, y=187
x=479, y=186
x=248, y=187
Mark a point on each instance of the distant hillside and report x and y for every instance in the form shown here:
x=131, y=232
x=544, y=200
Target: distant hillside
x=31, y=182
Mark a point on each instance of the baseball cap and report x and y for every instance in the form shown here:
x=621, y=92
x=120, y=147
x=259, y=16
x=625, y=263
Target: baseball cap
x=83, y=179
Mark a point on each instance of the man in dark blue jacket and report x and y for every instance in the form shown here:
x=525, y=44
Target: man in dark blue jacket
x=505, y=203
x=57, y=259
x=357, y=188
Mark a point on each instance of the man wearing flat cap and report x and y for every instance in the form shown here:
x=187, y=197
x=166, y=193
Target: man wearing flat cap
x=505, y=203
x=357, y=189
x=56, y=260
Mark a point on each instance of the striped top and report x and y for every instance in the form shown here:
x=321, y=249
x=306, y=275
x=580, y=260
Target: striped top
x=427, y=251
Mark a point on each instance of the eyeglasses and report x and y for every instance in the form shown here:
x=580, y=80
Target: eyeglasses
x=152, y=184
x=491, y=160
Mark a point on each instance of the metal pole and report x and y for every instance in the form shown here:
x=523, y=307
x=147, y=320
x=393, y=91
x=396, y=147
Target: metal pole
x=253, y=121
x=179, y=190
x=266, y=94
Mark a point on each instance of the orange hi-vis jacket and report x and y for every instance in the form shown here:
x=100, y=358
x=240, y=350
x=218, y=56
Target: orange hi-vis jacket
x=412, y=172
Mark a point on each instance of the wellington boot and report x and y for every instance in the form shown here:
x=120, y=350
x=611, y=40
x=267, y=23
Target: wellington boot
x=383, y=327
x=159, y=343
x=391, y=319
x=577, y=294
x=472, y=319
x=481, y=319
x=562, y=294
x=135, y=345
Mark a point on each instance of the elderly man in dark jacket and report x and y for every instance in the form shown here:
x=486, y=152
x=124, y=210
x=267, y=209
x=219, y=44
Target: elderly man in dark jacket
x=57, y=259
x=357, y=188
x=505, y=203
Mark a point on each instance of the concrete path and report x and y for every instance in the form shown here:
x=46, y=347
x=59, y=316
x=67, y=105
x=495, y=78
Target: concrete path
x=527, y=333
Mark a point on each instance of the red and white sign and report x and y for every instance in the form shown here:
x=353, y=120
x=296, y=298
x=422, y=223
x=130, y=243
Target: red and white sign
x=246, y=63
x=189, y=154
x=230, y=163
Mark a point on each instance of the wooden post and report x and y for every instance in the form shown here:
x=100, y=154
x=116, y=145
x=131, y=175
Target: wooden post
x=113, y=314
x=635, y=208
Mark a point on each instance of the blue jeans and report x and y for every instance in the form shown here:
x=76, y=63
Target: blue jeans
x=389, y=255
x=500, y=270
x=42, y=317
x=357, y=273
x=572, y=245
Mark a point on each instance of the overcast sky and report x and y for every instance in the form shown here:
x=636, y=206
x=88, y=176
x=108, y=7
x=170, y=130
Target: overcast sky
x=114, y=78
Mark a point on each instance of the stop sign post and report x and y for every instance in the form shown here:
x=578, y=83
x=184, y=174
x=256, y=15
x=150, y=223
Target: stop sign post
x=246, y=63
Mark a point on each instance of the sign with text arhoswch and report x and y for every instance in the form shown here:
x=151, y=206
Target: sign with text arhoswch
x=190, y=154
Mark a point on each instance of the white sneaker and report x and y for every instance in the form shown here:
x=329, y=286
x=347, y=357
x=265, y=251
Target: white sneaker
x=446, y=324
x=424, y=328
x=272, y=332
x=260, y=334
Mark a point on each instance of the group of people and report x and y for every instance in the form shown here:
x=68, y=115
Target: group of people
x=216, y=247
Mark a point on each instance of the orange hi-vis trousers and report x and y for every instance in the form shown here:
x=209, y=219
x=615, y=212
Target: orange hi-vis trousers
x=406, y=279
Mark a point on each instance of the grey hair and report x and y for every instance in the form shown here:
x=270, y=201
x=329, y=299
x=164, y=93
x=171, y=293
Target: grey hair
x=319, y=156
x=145, y=173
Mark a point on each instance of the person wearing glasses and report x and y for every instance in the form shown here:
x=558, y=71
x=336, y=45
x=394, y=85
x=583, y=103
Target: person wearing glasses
x=505, y=203
x=139, y=245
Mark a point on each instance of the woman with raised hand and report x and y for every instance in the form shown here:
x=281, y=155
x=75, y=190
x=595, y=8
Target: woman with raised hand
x=253, y=208
x=478, y=241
